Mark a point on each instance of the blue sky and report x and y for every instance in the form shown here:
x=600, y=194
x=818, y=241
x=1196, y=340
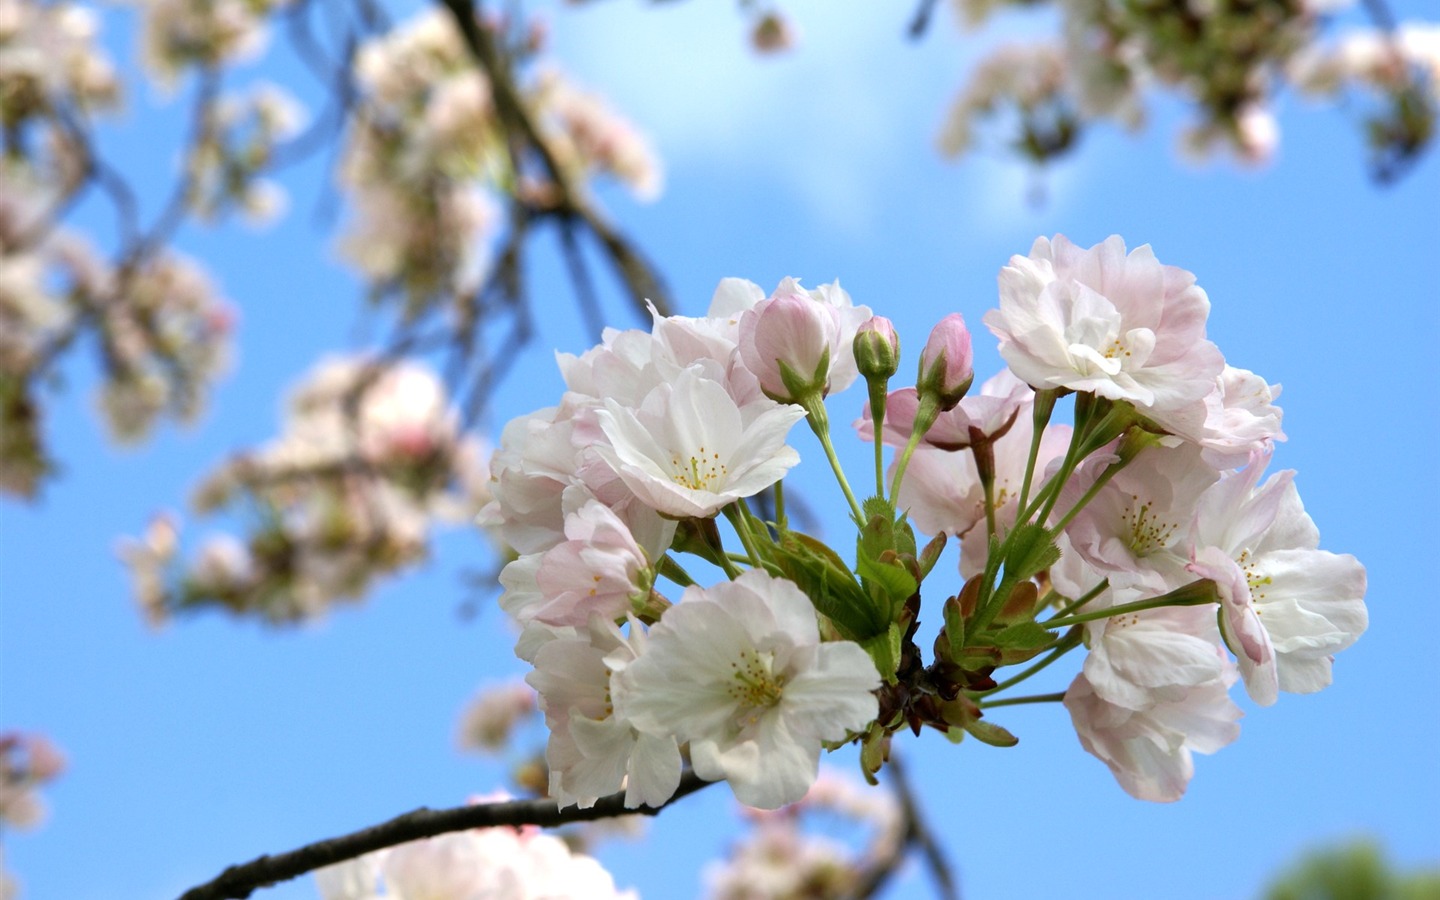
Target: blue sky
x=216, y=740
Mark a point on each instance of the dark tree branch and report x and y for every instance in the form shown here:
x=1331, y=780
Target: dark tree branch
x=634, y=270
x=921, y=21
x=237, y=882
x=580, y=275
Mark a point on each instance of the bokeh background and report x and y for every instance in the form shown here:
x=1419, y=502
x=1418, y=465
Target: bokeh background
x=215, y=740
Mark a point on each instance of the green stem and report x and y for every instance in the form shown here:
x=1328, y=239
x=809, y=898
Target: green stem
x=672, y=570
x=780, y=521
x=926, y=412
x=1016, y=701
x=1084, y=598
x=1194, y=594
x=989, y=486
x=1110, y=472
x=1040, y=417
x=878, y=399
x=820, y=424
x=736, y=517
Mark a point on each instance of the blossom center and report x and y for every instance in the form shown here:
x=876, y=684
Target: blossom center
x=1253, y=579
x=1147, y=533
x=754, y=684
x=699, y=471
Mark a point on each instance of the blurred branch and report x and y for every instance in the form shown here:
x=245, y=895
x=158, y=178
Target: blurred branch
x=921, y=20
x=238, y=881
x=173, y=213
x=916, y=836
x=640, y=278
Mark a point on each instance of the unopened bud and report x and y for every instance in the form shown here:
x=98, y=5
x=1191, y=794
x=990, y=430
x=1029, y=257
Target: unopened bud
x=786, y=341
x=877, y=349
x=947, y=362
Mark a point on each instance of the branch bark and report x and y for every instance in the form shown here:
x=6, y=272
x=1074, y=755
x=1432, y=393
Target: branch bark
x=238, y=881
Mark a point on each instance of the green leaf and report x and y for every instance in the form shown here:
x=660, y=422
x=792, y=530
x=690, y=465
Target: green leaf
x=991, y=734
x=1025, y=636
x=1032, y=551
x=897, y=584
x=904, y=536
x=954, y=627
x=884, y=649
x=931, y=554
x=826, y=580
x=878, y=507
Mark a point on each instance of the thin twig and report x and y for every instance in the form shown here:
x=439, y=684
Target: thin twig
x=580, y=275
x=916, y=835
x=173, y=213
x=238, y=881
x=921, y=21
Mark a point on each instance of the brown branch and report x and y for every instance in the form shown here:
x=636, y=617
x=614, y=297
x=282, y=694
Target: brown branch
x=238, y=881
x=634, y=270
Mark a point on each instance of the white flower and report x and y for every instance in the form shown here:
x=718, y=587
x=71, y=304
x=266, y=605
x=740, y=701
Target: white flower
x=597, y=572
x=1100, y=320
x=1289, y=607
x=1240, y=418
x=738, y=670
x=689, y=449
x=1135, y=530
x=1148, y=751
x=593, y=749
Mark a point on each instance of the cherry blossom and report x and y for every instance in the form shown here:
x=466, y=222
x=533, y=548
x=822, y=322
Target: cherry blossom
x=688, y=451
x=1121, y=325
x=739, y=672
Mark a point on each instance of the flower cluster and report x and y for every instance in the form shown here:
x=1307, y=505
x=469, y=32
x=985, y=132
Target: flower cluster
x=49, y=62
x=783, y=859
x=426, y=156
x=371, y=454
x=27, y=761
x=485, y=862
x=1227, y=59
x=1030, y=81
x=237, y=142
x=162, y=332
x=1398, y=75
x=1145, y=531
x=201, y=34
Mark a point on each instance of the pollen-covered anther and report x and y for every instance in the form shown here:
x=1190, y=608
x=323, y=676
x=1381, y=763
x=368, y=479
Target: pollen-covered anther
x=755, y=685
x=1147, y=534
x=699, y=472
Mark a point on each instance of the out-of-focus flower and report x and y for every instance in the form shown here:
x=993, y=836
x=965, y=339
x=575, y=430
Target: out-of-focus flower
x=370, y=457
x=508, y=863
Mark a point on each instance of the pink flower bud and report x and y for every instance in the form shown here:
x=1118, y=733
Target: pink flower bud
x=947, y=362
x=877, y=348
x=786, y=341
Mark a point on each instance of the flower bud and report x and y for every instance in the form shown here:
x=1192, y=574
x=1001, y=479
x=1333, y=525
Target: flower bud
x=947, y=362
x=877, y=349
x=786, y=341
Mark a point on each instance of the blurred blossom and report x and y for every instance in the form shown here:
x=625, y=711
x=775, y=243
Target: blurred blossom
x=781, y=858
x=501, y=863
x=370, y=457
x=493, y=714
x=180, y=34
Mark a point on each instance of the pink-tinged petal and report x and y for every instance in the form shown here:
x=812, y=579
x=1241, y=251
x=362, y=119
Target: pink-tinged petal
x=1246, y=637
